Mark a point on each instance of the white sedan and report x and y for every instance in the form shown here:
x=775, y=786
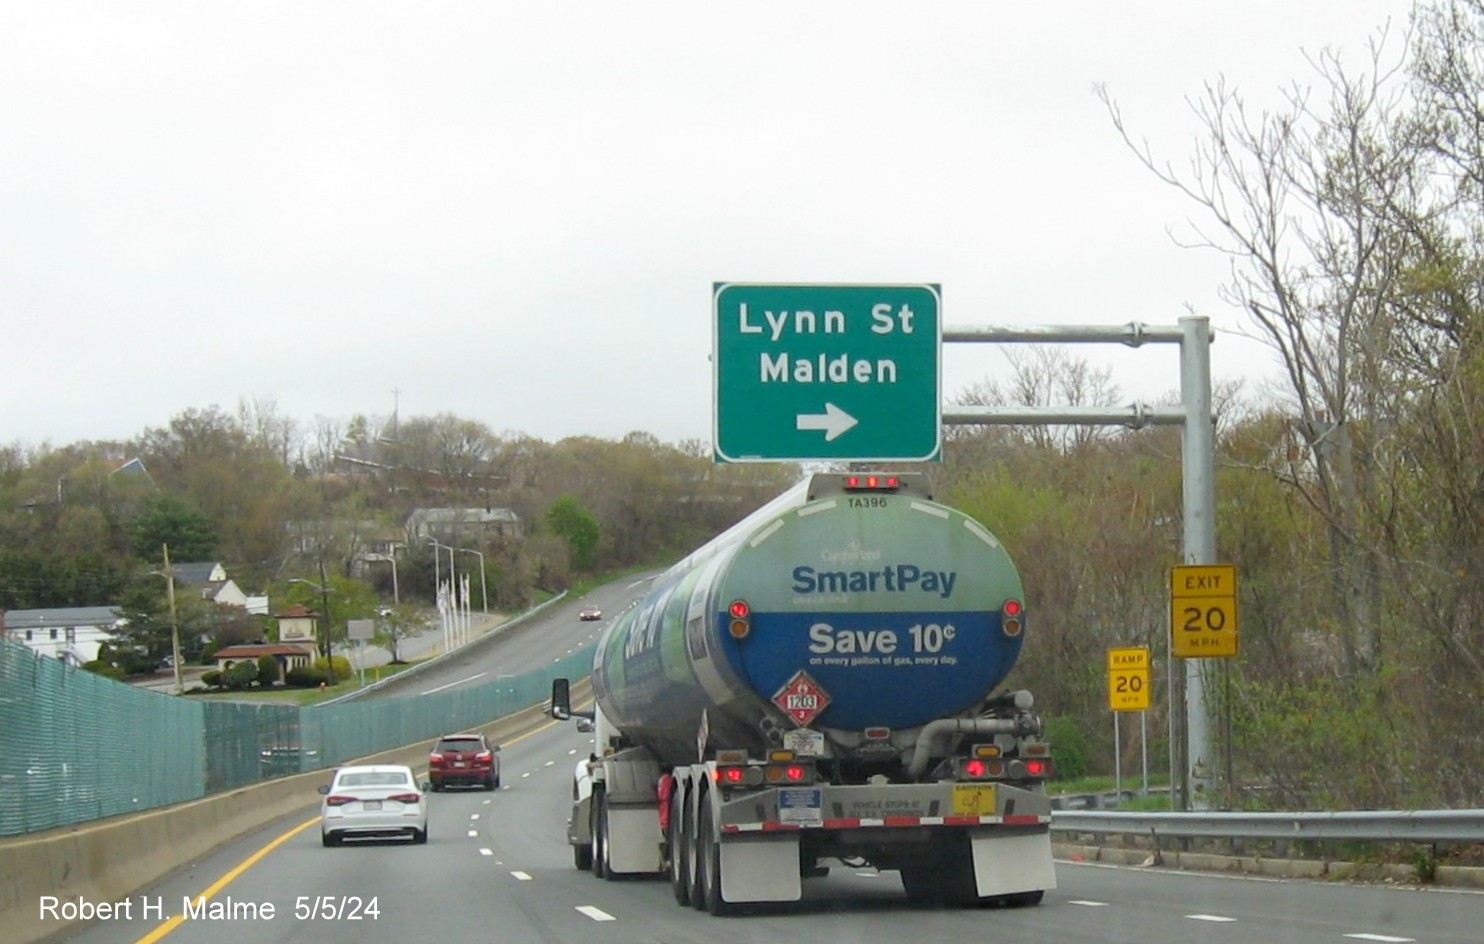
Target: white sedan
x=376, y=800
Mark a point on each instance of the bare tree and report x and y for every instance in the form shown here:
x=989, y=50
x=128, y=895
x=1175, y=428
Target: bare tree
x=1304, y=201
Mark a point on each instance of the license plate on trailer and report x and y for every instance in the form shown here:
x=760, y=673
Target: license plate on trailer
x=371, y=805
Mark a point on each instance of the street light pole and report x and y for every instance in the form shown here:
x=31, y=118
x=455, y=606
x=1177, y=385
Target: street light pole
x=484, y=597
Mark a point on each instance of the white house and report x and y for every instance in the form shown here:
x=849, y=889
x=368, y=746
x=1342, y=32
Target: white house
x=210, y=578
x=72, y=634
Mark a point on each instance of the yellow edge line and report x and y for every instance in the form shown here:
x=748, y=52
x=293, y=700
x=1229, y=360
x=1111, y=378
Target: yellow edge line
x=252, y=860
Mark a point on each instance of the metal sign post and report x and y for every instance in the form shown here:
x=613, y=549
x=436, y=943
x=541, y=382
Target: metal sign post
x=1194, y=788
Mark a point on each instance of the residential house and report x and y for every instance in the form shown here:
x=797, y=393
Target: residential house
x=72, y=634
x=467, y=527
x=211, y=580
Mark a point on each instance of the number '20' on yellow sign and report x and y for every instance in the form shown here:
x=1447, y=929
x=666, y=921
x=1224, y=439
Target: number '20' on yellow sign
x=1203, y=611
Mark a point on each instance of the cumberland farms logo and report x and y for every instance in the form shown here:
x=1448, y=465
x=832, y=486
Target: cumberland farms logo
x=802, y=698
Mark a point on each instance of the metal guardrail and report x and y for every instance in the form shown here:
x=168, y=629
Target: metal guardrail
x=1362, y=825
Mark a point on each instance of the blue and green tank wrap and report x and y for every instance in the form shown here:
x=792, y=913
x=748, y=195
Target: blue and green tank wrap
x=891, y=603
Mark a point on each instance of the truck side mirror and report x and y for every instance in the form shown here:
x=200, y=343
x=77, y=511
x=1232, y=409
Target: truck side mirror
x=561, y=699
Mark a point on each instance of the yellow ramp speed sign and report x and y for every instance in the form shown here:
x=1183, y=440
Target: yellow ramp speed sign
x=1128, y=679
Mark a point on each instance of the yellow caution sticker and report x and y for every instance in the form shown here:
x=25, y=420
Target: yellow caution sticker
x=974, y=799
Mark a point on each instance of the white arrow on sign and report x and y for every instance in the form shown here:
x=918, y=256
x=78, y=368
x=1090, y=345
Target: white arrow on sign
x=833, y=421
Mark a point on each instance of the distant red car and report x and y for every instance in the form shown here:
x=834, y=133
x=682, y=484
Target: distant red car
x=464, y=759
x=590, y=613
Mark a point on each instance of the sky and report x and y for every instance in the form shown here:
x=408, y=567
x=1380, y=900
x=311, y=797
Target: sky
x=515, y=212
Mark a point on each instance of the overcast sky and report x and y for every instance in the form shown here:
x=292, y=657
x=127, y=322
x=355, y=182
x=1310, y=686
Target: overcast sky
x=515, y=212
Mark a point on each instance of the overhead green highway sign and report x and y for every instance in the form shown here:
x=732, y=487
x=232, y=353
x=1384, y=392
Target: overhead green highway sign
x=816, y=372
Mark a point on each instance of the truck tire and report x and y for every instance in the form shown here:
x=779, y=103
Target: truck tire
x=709, y=853
x=600, y=834
x=680, y=873
x=582, y=856
x=923, y=885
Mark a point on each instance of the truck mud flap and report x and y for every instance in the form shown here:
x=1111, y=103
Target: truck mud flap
x=634, y=840
x=755, y=869
x=1008, y=863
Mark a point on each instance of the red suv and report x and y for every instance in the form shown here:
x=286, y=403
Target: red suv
x=464, y=759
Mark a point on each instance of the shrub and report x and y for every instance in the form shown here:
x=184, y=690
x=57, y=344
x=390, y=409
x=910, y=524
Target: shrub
x=268, y=670
x=105, y=669
x=1070, y=750
x=343, y=670
x=304, y=676
x=239, y=675
x=211, y=677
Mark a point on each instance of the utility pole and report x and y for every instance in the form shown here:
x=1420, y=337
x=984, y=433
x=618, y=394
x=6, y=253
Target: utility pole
x=174, y=623
x=324, y=596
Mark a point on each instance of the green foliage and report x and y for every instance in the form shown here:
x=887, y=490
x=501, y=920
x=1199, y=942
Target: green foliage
x=576, y=526
x=342, y=667
x=166, y=519
x=211, y=678
x=107, y=670
x=304, y=676
x=1070, y=749
x=347, y=598
x=394, y=624
x=267, y=670
x=1316, y=745
x=239, y=675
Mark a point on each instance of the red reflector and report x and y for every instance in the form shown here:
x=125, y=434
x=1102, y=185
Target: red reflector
x=794, y=772
x=732, y=774
x=1012, y=607
x=975, y=768
x=739, y=609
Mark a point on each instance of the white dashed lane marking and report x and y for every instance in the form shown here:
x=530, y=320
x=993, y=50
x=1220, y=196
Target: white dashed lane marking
x=597, y=914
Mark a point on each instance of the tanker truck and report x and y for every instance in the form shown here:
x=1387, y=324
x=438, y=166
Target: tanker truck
x=818, y=686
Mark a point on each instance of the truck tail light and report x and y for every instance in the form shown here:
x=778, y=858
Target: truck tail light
x=1012, y=613
x=739, y=619
x=873, y=483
